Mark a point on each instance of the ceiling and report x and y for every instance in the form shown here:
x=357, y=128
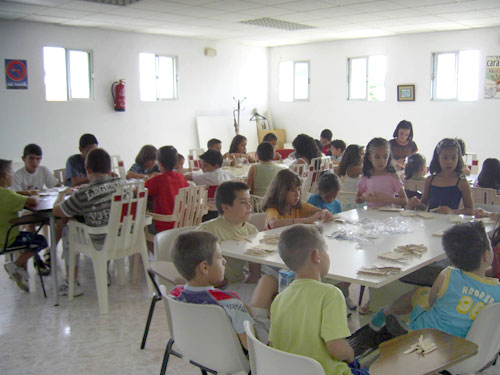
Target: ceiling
x=221, y=19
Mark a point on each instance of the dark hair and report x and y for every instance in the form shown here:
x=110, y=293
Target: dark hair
x=367, y=164
x=87, y=139
x=464, y=245
x=461, y=143
x=281, y=184
x=98, y=161
x=270, y=137
x=413, y=165
x=167, y=156
x=212, y=142
x=296, y=243
x=5, y=165
x=404, y=125
x=147, y=153
x=233, y=148
x=212, y=157
x=489, y=177
x=319, y=145
x=32, y=149
x=190, y=249
x=305, y=147
x=435, y=167
x=226, y=193
x=265, y=151
x=351, y=157
x=326, y=134
x=180, y=156
x=328, y=182
x=338, y=143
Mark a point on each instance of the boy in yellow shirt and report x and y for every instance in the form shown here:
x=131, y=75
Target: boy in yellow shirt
x=309, y=318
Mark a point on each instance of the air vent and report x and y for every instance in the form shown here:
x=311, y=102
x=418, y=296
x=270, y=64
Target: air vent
x=114, y=2
x=277, y=24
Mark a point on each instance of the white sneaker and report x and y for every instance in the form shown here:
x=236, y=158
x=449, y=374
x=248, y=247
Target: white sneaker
x=64, y=289
x=11, y=269
x=19, y=275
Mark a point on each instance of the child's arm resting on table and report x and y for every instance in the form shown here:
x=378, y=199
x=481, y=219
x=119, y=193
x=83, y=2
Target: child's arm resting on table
x=340, y=350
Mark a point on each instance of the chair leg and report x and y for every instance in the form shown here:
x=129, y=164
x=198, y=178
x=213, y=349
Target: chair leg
x=37, y=260
x=203, y=371
x=361, y=292
x=134, y=261
x=120, y=269
x=155, y=299
x=168, y=350
x=101, y=280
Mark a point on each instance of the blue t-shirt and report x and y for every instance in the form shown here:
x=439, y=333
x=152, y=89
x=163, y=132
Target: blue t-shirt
x=335, y=207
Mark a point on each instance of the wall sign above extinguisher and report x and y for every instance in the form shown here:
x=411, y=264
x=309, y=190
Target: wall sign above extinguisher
x=118, y=92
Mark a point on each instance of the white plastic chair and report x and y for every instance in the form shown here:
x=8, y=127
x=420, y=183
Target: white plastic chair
x=117, y=166
x=205, y=335
x=124, y=236
x=194, y=158
x=311, y=177
x=482, y=196
x=472, y=162
x=256, y=203
x=485, y=332
x=60, y=175
x=265, y=360
x=259, y=220
x=414, y=185
x=348, y=200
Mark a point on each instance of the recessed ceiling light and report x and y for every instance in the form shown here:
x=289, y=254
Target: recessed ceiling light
x=277, y=24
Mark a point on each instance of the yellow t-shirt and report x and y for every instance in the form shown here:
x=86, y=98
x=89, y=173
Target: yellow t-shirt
x=10, y=204
x=305, y=210
x=224, y=230
x=305, y=317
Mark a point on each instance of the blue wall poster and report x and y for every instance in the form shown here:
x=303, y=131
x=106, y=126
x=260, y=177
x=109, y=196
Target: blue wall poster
x=16, y=74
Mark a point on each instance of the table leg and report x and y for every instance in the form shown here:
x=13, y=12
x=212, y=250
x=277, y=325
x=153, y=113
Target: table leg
x=53, y=259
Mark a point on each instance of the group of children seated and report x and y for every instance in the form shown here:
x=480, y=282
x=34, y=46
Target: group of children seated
x=309, y=317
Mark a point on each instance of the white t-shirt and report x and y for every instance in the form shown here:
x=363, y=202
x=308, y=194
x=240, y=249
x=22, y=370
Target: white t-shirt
x=216, y=177
x=43, y=177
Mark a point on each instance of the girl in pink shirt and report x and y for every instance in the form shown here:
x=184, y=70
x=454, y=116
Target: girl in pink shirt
x=380, y=184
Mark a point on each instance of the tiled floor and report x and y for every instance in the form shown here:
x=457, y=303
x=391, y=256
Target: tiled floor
x=39, y=338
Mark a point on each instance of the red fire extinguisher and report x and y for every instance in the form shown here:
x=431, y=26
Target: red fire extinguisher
x=118, y=92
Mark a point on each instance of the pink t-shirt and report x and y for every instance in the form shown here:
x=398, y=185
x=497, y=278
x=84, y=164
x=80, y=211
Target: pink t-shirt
x=387, y=185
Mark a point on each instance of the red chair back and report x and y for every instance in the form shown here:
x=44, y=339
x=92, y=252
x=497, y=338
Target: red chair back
x=211, y=191
x=284, y=152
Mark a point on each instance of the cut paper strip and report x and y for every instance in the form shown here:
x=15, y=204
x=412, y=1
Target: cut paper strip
x=390, y=209
x=426, y=215
x=408, y=213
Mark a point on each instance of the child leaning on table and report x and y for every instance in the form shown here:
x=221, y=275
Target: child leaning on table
x=457, y=295
x=145, y=163
x=10, y=204
x=309, y=318
x=197, y=256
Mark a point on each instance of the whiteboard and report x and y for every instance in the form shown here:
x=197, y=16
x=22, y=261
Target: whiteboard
x=222, y=127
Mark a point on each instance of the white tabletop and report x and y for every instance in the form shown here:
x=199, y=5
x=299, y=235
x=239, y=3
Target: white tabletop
x=349, y=256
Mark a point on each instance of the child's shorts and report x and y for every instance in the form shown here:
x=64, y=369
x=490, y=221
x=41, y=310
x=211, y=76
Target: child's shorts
x=356, y=369
x=420, y=302
x=36, y=242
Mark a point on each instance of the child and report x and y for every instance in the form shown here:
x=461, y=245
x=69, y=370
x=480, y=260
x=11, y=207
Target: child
x=305, y=149
x=260, y=175
x=145, y=163
x=211, y=162
x=446, y=187
x=10, y=204
x=164, y=187
x=337, y=148
x=283, y=205
x=90, y=204
x=179, y=167
x=328, y=188
x=238, y=150
x=489, y=177
x=33, y=176
x=326, y=139
x=214, y=144
x=351, y=168
x=197, y=256
x=459, y=292
x=380, y=184
x=272, y=139
x=309, y=317
x=76, y=174
x=415, y=170
x=402, y=144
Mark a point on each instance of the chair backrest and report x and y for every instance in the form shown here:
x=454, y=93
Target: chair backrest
x=259, y=220
x=205, y=335
x=265, y=360
x=485, y=332
x=285, y=152
x=60, y=174
x=485, y=196
x=472, y=162
x=348, y=200
x=299, y=169
x=194, y=158
x=414, y=185
x=191, y=204
x=256, y=203
x=117, y=166
x=211, y=191
x=163, y=242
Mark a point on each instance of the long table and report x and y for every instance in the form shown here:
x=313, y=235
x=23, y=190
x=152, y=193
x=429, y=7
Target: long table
x=349, y=256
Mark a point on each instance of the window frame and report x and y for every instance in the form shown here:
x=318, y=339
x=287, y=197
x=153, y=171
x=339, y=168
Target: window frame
x=367, y=78
x=175, y=77
x=294, y=63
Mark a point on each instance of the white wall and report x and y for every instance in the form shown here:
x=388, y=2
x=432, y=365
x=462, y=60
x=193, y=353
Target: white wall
x=408, y=62
x=206, y=87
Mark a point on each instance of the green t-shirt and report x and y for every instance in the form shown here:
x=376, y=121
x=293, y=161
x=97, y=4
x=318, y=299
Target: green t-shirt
x=305, y=317
x=227, y=231
x=10, y=204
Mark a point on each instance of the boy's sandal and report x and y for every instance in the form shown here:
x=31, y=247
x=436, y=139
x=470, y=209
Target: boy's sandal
x=46, y=259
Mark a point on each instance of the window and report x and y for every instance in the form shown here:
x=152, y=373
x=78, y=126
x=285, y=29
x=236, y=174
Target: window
x=293, y=81
x=366, y=78
x=158, y=77
x=455, y=75
x=68, y=74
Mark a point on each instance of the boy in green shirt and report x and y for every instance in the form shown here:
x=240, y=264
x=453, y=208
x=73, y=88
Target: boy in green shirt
x=10, y=204
x=309, y=318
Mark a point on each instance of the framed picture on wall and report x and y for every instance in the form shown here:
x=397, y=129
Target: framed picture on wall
x=406, y=93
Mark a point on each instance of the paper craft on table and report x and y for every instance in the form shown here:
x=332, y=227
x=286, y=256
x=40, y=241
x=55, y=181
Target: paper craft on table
x=426, y=215
x=261, y=250
x=411, y=249
x=457, y=219
x=485, y=220
x=379, y=270
x=239, y=239
x=423, y=347
x=396, y=257
x=270, y=239
x=390, y=209
x=338, y=219
x=439, y=233
x=408, y=213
